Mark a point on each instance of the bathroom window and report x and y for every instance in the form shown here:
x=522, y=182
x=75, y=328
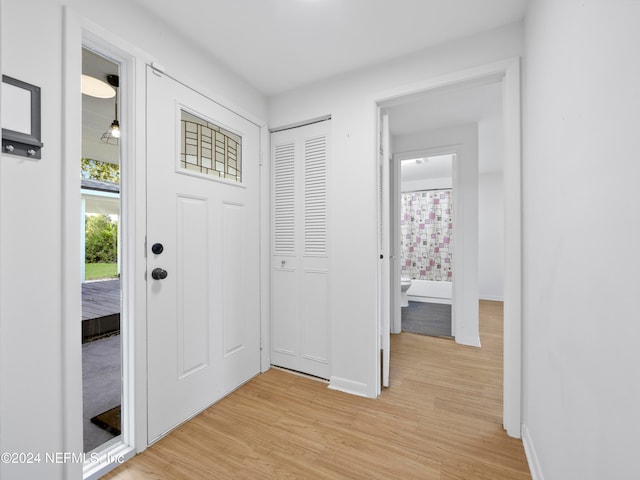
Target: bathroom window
x=209, y=149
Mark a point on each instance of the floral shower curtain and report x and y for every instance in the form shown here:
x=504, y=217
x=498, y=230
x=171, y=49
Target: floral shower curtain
x=427, y=229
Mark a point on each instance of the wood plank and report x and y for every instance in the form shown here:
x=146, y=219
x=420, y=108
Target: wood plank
x=100, y=299
x=440, y=419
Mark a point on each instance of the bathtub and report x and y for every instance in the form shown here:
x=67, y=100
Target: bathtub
x=430, y=291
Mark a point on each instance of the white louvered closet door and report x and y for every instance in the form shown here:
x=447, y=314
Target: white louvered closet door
x=300, y=253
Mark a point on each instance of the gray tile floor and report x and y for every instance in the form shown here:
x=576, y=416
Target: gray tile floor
x=432, y=319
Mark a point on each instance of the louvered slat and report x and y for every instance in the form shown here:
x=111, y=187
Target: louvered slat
x=284, y=199
x=315, y=196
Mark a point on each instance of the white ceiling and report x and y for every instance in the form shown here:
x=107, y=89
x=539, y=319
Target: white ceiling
x=450, y=107
x=278, y=45
x=97, y=113
x=445, y=108
x=436, y=167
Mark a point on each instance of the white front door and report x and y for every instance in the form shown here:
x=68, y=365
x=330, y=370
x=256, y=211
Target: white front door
x=203, y=237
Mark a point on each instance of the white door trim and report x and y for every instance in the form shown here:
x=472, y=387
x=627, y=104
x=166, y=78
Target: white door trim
x=71, y=274
x=386, y=263
x=265, y=248
x=457, y=304
x=512, y=184
x=509, y=71
x=395, y=232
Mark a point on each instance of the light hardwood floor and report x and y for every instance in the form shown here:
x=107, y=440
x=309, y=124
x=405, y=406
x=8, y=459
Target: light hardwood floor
x=441, y=419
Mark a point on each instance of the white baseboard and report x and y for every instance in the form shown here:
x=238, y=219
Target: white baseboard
x=493, y=298
x=532, y=457
x=444, y=301
x=348, y=386
x=469, y=341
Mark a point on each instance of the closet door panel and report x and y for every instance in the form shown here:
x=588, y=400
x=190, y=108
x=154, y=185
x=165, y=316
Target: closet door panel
x=300, y=254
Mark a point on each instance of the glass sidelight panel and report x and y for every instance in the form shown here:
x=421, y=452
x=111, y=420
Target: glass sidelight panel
x=209, y=149
x=101, y=217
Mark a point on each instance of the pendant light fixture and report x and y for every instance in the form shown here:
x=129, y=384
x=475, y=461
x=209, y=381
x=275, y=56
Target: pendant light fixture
x=112, y=135
x=96, y=88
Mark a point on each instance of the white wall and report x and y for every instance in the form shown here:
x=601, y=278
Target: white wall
x=427, y=184
x=430, y=291
x=581, y=234
x=31, y=396
x=491, y=236
x=350, y=101
x=491, y=208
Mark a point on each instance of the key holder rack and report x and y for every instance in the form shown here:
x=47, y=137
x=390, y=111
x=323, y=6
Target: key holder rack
x=21, y=118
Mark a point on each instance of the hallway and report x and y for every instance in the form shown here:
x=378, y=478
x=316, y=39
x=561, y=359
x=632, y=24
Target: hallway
x=441, y=419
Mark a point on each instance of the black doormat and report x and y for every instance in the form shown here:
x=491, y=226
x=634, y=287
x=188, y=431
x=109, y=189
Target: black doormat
x=109, y=421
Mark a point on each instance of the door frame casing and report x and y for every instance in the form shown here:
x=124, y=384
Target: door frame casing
x=386, y=261
x=509, y=70
x=395, y=189
x=454, y=151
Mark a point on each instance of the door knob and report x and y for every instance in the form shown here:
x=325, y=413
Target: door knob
x=158, y=274
x=157, y=248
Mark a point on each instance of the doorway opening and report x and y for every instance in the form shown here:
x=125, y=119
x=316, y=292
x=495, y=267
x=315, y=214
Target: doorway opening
x=426, y=244
x=101, y=236
x=444, y=99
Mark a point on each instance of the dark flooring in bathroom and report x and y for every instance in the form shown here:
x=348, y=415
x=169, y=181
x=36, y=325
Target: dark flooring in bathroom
x=433, y=319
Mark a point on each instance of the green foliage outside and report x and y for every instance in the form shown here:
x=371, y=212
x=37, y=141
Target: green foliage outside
x=101, y=233
x=101, y=239
x=94, y=271
x=98, y=170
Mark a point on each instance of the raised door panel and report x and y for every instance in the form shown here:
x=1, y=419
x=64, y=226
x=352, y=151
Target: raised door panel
x=193, y=310
x=314, y=327
x=234, y=313
x=284, y=320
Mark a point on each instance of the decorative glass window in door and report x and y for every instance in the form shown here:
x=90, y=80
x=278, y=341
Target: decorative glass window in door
x=209, y=149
